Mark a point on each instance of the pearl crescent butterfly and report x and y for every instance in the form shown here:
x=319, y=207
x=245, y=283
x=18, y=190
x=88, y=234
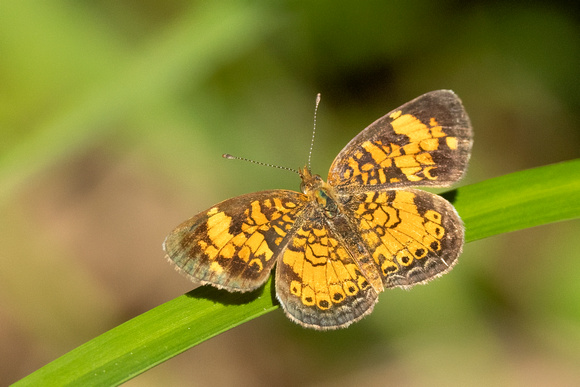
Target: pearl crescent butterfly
x=338, y=244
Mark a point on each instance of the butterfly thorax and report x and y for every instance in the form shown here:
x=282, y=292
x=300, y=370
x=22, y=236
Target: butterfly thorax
x=319, y=191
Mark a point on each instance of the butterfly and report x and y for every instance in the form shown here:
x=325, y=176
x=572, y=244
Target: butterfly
x=337, y=244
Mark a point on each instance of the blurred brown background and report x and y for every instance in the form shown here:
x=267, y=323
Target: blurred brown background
x=113, y=119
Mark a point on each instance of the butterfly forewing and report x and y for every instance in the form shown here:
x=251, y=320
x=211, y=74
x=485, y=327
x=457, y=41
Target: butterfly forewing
x=425, y=142
x=233, y=244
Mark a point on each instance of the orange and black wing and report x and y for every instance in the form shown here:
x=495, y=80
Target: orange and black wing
x=318, y=281
x=413, y=236
x=425, y=142
x=234, y=244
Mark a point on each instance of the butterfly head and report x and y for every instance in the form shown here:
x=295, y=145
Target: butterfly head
x=309, y=182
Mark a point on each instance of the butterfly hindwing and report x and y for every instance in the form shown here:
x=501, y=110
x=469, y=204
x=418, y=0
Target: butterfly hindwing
x=412, y=235
x=318, y=282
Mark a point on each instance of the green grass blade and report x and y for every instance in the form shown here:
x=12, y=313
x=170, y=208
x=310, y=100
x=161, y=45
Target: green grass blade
x=519, y=200
x=508, y=203
x=153, y=337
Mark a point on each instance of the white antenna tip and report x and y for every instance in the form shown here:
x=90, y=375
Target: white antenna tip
x=313, y=130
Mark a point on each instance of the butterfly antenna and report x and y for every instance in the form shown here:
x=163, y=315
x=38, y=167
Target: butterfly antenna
x=313, y=129
x=230, y=157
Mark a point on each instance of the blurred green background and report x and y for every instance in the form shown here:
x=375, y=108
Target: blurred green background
x=113, y=118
